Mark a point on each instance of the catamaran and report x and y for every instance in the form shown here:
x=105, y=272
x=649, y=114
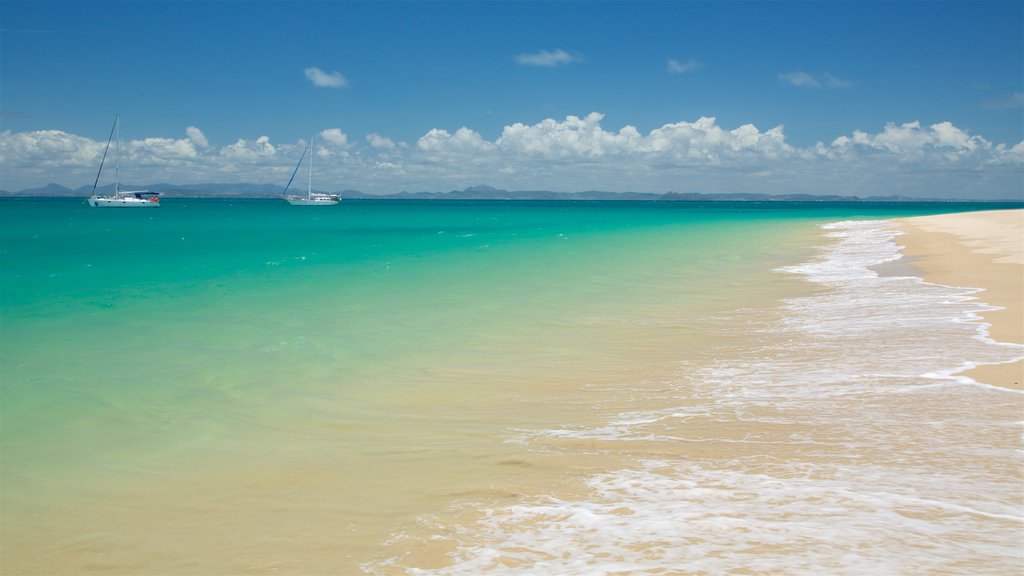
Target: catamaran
x=311, y=198
x=120, y=198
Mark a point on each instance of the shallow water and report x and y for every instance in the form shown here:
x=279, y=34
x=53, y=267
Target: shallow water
x=457, y=388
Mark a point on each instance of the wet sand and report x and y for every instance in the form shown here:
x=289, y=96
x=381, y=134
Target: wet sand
x=983, y=250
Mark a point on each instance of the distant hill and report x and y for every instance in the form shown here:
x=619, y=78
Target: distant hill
x=241, y=190
x=48, y=190
x=481, y=192
x=490, y=193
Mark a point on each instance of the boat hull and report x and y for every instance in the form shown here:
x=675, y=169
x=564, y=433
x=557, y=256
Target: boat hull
x=123, y=203
x=312, y=201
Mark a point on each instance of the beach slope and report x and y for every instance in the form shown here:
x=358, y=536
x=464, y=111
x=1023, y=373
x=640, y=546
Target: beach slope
x=982, y=250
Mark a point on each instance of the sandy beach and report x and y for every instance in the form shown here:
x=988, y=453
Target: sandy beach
x=983, y=250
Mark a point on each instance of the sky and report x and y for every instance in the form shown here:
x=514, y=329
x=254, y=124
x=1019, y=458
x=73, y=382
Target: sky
x=920, y=99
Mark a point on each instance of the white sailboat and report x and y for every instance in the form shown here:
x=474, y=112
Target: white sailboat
x=311, y=198
x=120, y=198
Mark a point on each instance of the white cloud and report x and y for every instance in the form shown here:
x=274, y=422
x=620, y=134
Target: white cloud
x=380, y=142
x=249, y=152
x=572, y=153
x=48, y=148
x=578, y=153
x=157, y=151
x=1005, y=155
x=547, y=59
x=325, y=79
x=911, y=141
x=46, y=155
x=676, y=67
x=335, y=137
x=465, y=142
x=805, y=80
x=585, y=140
x=197, y=137
x=574, y=137
x=704, y=141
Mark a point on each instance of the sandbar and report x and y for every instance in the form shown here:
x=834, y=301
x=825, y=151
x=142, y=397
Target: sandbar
x=983, y=249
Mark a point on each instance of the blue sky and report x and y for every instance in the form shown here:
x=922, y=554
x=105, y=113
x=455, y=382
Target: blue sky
x=853, y=98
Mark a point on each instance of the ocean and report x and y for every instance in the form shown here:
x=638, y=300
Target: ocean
x=445, y=387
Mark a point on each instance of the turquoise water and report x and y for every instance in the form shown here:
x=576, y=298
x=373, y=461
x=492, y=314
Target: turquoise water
x=307, y=382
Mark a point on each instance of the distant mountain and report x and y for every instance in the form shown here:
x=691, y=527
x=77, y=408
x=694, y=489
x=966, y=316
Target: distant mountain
x=169, y=190
x=48, y=190
x=480, y=192
x=491, y=193
x=695, y=197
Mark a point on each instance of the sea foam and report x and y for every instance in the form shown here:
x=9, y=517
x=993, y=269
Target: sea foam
x=838, y=438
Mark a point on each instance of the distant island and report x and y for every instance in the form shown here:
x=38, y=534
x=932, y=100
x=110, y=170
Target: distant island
x=243, y=190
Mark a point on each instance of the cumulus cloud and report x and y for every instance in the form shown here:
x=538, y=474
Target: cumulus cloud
x=380, y=142
x=704, y=141
x=197, y=137
x=438, y=144
x=323, y=79
x=1003, y=154
x=249, y=152
x=547, y=59
x=571, y=138
x=48, y=154
x=335, y=137
x=48, y=148
x=805, y=80
x=156, y=151
x=584, y=139
x=676, y=67
x=571, y=153
x=911, y=141
x=580, y=152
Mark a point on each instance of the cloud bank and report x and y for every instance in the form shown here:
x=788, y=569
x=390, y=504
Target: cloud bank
x=572, y=154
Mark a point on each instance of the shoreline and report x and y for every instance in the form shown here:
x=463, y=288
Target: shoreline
x=549, y=196
x=976, y=250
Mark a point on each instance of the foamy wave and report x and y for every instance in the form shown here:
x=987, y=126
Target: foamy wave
x=686, y=518
x=898, y=324
x=839, y=439
x=861, y=244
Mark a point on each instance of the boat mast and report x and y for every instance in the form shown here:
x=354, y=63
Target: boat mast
x=117, y=157
x=104, y=159
x=296, y=171
x=312, y=150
